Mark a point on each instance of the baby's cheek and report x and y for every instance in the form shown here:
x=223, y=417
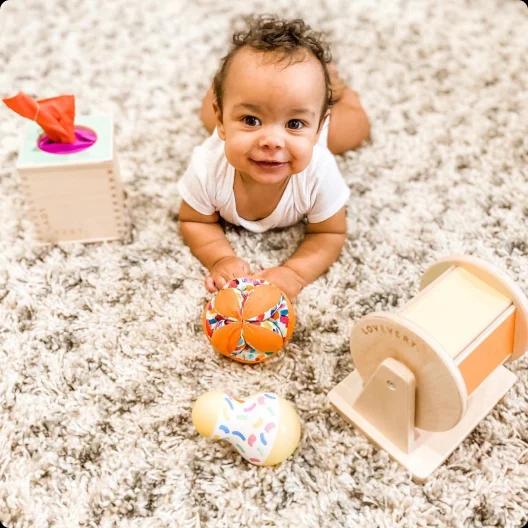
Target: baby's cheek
x=302, y=151
x=235, y=148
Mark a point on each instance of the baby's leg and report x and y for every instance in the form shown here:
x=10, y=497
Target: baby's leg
x=349, y=124
x=207, y=114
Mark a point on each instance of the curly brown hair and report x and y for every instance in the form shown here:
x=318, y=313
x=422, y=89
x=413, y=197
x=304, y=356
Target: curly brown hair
x=269, y=33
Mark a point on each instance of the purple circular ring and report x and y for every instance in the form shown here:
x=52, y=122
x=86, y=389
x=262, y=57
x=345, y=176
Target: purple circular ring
x=84, y=138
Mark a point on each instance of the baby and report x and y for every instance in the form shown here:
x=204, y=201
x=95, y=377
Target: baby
x=278, y=112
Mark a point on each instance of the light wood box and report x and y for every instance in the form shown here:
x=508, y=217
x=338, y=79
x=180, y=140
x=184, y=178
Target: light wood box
x=74, y=197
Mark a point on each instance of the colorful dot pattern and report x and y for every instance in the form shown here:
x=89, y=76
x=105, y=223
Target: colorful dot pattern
x=251, y=426
x=275, y=319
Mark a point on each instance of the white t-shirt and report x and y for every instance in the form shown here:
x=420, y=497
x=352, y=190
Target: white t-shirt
x=318, y=192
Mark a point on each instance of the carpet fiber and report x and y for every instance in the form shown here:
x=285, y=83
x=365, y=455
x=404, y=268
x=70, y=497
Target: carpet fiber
x=101, y=350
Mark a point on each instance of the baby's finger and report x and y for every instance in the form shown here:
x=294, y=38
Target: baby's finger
x=209, y=284
x=219, y=281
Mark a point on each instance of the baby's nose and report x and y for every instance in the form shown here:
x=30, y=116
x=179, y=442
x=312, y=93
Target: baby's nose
x=271, y=138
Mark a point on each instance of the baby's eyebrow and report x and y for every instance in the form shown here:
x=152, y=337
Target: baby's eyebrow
x=311, y=113
x=247, y=106
x=255, y=108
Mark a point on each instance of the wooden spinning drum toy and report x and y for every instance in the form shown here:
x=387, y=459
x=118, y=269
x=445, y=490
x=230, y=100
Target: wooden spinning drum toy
x=428, y=374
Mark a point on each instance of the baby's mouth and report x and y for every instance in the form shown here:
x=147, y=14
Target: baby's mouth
x=269, y=164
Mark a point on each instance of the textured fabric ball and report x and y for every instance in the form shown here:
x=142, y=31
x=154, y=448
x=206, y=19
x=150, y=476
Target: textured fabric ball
x=248, y=320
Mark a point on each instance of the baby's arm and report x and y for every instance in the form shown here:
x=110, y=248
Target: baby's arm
x=208, y=243
x=317, y=252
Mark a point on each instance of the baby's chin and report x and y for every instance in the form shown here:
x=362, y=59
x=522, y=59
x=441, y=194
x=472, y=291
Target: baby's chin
x=265, y=177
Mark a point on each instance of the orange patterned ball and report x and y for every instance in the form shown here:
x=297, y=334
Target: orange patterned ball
x=248, y=320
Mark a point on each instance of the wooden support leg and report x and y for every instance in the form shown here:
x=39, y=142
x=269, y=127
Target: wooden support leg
x=387, y=402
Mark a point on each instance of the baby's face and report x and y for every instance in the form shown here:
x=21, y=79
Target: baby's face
x=271, y=114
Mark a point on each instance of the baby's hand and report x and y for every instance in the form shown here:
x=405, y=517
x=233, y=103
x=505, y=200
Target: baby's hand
x=224, y=270
x=289, y=281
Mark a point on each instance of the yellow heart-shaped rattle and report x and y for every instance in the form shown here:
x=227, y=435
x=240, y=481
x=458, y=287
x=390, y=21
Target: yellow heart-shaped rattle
x=265, y=429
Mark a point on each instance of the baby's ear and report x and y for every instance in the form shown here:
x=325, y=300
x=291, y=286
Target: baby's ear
x=219, y=123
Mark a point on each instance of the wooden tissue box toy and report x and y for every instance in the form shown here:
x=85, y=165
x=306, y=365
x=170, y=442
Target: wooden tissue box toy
x=72, y=187
x=427, y=375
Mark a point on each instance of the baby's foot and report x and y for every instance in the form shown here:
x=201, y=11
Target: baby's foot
x=337, y=84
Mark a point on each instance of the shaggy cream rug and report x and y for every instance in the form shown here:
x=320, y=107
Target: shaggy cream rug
x=101, y=349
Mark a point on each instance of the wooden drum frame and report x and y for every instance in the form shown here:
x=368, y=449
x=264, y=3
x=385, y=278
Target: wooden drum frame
x=428, y=374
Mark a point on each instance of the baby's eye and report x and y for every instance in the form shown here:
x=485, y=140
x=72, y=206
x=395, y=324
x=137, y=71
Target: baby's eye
x=251, y=121
x=295, y=124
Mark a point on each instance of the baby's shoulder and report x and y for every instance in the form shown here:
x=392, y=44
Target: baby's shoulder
x=209, y=158
x=322, y=162
x=322, y=156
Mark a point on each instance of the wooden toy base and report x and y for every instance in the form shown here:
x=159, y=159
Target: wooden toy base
x=429, y=449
